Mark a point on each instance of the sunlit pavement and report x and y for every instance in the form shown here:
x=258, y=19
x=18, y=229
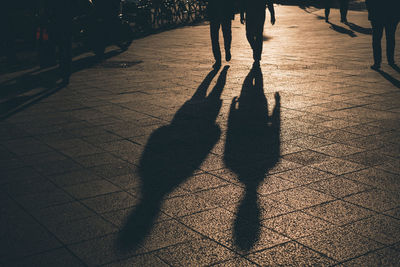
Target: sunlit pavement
x=127, y=166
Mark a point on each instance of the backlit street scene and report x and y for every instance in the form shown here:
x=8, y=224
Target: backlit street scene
x=200, y=133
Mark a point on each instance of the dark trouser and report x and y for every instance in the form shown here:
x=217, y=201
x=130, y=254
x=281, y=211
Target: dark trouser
x=64, y=44
x=344, y=7
x=254, y=31
x=226, y=25
x=377, y=32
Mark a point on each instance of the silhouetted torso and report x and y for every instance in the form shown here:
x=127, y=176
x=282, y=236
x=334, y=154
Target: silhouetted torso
x=383, y=10
x=220, y=9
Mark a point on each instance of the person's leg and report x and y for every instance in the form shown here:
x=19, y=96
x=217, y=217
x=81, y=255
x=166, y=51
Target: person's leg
x=344, y=6
x=327, y=9
x=377, y=31
x=258, y=41
x=227, y=32
x=64, y=44
x=214, y=33
x=390, y=30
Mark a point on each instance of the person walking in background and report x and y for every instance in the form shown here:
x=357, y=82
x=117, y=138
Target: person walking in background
x=344, y=7
x=60, y=15
x=253, y=13
x=383, y=14
x=220, y=14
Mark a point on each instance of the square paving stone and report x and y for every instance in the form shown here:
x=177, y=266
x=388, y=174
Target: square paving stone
x=337, y=136
x=222, y=196
x=339, y=187
x=300, y=197
x=236, y=262
x=310, y=142
x=368, y=158
x=62, y=213
x=395, y=213
x=210, y=221
x=272, y=184
x=203, y=182
x=168, y=233
x=140, y=260
x=119, y=217
x=58, y=257
x=97, y=160
x=80, y=230
x=377, y=200
x=338, y=150
x=380, y=228
x=339, y=212
x=102, y=250
x=391, y=165
x=382, y=257
x=307, y=157
x=377, y=178
x=91, y=189
x=296, y=224
x=111, y=202
x=305, y=175
x=340, y=243
x=338, y=166
x=74, y=178
x=290, y=254
x=195, y=253
x=185, y=205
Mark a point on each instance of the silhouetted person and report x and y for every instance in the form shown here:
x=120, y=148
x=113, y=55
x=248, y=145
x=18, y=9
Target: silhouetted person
x=383, y=14
x=344, y=7
x=253, y=13
x=171, y=155
x=61, y=13
x=252, y=148
x=220, y=14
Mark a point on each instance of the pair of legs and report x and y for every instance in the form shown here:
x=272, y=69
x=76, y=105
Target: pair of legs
x=64, y=44
x=344, y=7
x=255, y=20
x=226, y=25
x=377, y=32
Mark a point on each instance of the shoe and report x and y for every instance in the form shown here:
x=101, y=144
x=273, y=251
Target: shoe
x=344, y=21
x=228, y=55
x=375, y=67
x=217, y=65
x=326, y=19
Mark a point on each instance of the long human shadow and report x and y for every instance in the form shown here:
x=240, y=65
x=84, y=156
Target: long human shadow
x=342, y=30
x=171, y=155
x=252, y=148
x=29, y=88
x=359, y=29
x=389, y=77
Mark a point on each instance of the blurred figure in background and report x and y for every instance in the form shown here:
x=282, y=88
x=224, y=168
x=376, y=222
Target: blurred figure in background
x=383, y=14
x=60, y=14
x=344, y=7
x=221, y=14
x=253, y=13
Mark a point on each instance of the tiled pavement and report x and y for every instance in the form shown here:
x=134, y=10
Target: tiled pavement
x=136, y=164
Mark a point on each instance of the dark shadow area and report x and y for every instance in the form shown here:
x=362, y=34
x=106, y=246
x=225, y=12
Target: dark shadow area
x=342, y=30
x=359, y=29
x=389, y=77
x=267, y=38
x=252, y=148
x=171, y=156
x=19, y=93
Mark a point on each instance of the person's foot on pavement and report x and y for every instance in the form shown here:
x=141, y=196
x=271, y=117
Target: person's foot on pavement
x=228, y=55
x=375, y=67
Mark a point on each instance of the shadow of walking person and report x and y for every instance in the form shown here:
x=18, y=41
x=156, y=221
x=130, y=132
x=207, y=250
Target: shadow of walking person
x=172, y=154
x=252, y=148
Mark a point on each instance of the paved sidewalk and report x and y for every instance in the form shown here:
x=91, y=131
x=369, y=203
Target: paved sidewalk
x=152, y=159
